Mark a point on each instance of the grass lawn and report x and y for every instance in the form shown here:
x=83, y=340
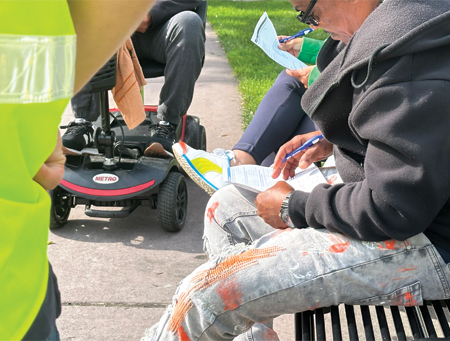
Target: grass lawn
x=234, y=22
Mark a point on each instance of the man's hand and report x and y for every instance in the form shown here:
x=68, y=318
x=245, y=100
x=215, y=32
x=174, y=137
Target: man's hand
x=317, y=152
x=51, y=172
x=269, y=204
x=145, y=24
x=292, y=46
x=302, y=75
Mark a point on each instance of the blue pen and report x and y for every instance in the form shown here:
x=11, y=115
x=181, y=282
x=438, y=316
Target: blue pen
x=312, y=141
x=298, y=34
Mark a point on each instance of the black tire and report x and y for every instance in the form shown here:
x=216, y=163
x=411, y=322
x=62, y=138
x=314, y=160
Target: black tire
x=172, y=202
x=60, y=209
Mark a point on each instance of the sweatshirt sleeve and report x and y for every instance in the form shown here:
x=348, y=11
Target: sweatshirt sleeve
x=313, y=75
x=163, y=10
x=310, y=49
x=407, y=167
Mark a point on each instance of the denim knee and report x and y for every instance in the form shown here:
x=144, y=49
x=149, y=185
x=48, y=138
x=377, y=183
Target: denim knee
x=219, y=201
x=228, y=204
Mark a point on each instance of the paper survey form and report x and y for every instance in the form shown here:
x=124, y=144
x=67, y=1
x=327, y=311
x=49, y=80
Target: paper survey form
x=266, y=38
x=259, y=178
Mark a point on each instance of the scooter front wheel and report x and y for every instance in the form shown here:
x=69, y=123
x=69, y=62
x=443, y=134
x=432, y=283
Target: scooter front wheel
x=172, y=202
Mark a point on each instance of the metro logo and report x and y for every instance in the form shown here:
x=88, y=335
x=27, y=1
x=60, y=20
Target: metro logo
x=105, y=178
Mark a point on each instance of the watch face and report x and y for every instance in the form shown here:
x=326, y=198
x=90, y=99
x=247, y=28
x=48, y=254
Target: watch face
x=285, y=217
x=284, y=212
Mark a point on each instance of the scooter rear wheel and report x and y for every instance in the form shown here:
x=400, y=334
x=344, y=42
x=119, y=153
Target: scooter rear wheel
x=172, y=202
x=60, y=209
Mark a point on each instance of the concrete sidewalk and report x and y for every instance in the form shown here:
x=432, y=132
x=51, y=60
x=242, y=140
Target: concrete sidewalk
x=116, y=276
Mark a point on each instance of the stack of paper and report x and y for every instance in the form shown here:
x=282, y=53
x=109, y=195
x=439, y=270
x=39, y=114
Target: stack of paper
x=259, y=178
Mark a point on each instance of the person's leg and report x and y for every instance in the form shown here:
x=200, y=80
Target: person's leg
x=279, y=118
x=247, y=282
x=54, y=335
x=180, y=44
x=86, y=105
x=86, y=109
x=306, y=126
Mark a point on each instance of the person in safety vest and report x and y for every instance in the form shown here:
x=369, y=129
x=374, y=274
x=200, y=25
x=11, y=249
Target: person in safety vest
x=48, y=51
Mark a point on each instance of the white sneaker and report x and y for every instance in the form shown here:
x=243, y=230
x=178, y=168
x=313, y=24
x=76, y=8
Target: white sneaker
x=203, y=167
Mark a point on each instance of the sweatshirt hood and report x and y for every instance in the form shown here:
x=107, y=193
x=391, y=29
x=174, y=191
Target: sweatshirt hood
x=393, y=29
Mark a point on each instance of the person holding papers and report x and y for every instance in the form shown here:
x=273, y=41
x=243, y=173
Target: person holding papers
x=383, y=236
x=278, y=119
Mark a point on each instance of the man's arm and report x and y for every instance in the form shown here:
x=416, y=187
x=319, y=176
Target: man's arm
x=97, y=37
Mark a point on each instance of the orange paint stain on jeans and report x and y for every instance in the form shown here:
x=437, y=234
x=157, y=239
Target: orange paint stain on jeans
x=211, y=211
x=182, y=306
x=339, y=246
x=409, y=300
x=407, y=269
x=182, y=335
x=231, y=265
x=205, y=278
x=389, y=244
x=231, y=294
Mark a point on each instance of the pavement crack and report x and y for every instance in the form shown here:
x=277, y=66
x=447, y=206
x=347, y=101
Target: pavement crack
x=115, y=304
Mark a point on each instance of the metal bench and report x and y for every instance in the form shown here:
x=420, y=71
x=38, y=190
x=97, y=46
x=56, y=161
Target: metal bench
x=347, y=322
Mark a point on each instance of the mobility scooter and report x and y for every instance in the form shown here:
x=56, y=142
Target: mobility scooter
x=121, y=175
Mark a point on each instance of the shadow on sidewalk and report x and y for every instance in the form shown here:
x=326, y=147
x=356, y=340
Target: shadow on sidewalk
x=141, y=228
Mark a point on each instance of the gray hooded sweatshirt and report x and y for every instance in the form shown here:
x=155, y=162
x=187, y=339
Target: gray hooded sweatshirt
x=383, y=100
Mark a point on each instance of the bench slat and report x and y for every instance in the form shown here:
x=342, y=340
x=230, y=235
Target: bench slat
x=384, y=328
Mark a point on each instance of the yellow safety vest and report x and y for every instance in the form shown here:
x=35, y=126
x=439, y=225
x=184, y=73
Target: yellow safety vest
x=37, y=67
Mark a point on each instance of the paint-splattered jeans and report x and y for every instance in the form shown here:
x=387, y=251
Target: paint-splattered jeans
x=256, y=273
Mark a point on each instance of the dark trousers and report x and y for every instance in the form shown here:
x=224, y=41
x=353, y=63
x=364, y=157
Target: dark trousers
x=180, y=44
x=278, y=119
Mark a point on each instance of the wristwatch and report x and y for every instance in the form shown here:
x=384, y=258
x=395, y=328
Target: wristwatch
x=284, y=211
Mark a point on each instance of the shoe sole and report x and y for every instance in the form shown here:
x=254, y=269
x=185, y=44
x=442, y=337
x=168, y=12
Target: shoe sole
x=88, y=151
x=157, y=150
x=194, y=175
x=69, y=151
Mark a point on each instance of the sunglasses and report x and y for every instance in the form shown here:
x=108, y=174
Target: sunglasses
x=306, y=17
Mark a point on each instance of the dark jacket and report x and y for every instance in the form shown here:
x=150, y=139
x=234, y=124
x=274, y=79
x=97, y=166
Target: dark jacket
x=163, y=10
x=384, y=102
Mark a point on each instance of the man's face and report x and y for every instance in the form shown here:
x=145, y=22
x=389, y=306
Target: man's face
x=340, y=18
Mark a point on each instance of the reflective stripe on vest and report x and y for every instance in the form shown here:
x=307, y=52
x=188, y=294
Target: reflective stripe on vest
x=36, y=69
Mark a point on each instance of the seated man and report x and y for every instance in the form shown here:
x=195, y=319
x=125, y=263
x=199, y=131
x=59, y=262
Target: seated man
x=171, y=34
x=383, y=236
